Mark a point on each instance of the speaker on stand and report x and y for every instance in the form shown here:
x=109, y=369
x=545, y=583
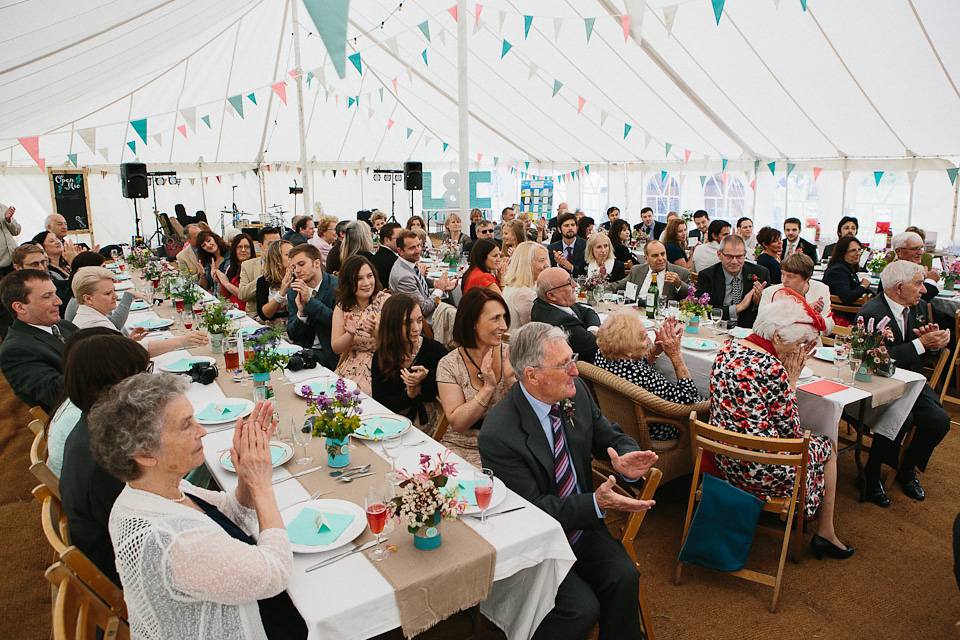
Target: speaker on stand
x=133, y=184
x=412, y=179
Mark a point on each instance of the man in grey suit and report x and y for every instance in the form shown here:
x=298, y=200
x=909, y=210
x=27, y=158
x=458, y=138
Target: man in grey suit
x=673, y=281
x=31, y=354
x=540, y=444
x=406, y=276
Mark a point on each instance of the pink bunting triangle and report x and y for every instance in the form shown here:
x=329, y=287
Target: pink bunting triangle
x=394, y=86
x=453, y=11
x=816, y=173
x=752, y=183
x=183, y=130
x=32, y=146
x=479, y=157
x=389, y=124
x=293, y=73
x=686, y=155
x=625, y=23
x=280, y=88
x=479, y=9
x=580, y=102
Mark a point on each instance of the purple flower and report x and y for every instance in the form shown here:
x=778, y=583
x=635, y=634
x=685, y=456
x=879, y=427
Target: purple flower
x=356, y=392
x=424, y=459
x=359, y=410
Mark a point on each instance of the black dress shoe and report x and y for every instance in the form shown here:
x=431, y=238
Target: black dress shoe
x=823, y=547
x=911, y=486
x=871, y=490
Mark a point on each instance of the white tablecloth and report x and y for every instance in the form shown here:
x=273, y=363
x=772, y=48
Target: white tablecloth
x=350, y=599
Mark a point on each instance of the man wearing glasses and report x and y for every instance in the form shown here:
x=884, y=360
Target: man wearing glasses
x=909, y=247
x=556, y=304
x=484, y=229
x=734, y=285
x=538, y=440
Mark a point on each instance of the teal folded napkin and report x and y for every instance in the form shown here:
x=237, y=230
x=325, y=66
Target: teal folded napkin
x=467, y=490
x=137, y=305
x=276, y=452
x=288, y=351
x=693, y=343
x=825, y=352
x=220, y=412
x=153, y=323
x=183, y=364
x=377, y=428
x=303, y=530
x=123, y=277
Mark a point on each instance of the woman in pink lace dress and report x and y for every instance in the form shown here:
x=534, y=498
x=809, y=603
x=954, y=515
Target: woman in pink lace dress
x=355, y=319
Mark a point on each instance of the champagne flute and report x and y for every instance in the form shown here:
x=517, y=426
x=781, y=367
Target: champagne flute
x=375, y=504
x=391, y=448
x=483, y=490
x=840, y=356
x=302, y=434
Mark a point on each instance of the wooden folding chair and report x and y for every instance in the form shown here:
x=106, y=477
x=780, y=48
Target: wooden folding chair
x=791, y=452
x=854, y=307
x=442, y=425
x=953, y=370
x=38, y=462
x=78, y=612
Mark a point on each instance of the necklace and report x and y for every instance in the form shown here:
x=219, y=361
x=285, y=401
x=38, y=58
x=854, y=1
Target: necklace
x=479, y=373
x=182, y=497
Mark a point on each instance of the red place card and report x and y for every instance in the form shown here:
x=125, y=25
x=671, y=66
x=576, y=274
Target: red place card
x=823, y=387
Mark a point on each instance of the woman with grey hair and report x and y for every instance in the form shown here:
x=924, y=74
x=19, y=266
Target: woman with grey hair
x=753, y=391
x=356, y=241
x=185, y=556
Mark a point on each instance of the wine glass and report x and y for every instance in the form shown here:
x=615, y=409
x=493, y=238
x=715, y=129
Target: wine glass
x=716, y=315
x=188, y=319
x=855, y=360
x=375, y=504
x=840, y=356
x=673, y=307
x=483, y=490
x=391, y=448
x=302, y=435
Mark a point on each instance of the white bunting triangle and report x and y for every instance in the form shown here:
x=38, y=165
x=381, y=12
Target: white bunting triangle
x=503, y=17
x=557, y=24
x=105, y=152
x=369, y=113
x=603, y=117
x=636, y=10
x=158, y=139
x=391, y=44
x=321, y=75
x=646, y=139
x=442, y=36
x=479, y=25
x=669, y=15
x=190, y=117
x=410, y=73
x=89, y=137
x=533, y=70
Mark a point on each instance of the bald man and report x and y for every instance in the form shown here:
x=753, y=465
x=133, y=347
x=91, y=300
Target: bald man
x=557, y=304
x=57, y=224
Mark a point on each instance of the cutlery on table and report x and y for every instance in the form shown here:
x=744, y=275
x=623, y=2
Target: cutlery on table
x=500, y=513
x=354, y=477
x=296, y=475
x=360, y=468
x=343, y=555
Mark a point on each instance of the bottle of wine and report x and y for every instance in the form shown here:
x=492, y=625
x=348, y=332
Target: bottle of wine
x=653, y=297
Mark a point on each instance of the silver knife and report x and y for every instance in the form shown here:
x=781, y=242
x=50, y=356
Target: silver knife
x=500, y=513
x=343, y=555
x=297, y=475
x=351, y=478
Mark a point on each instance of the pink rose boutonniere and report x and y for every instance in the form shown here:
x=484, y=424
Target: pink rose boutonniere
x=568, y=407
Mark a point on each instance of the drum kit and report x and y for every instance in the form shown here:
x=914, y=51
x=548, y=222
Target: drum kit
x=273, y=217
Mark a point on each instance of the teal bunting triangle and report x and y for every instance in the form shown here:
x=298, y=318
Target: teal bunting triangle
x=773, y=168
x=330, y=18
x=626, y=130
x=237, y=103
x=309, y=78
x=556, y=87
x=717, y=9
x=253, y=98
x=663, y=177
x=667, y=146
x=877, y=177
x=355, y=59
x=409, y=132
x=206, y=120
x=527, y=165
x=424, y=55
x=73, y=158
x=790, y=167
x=140, y=126
x=803, y=3
x=445, y=146
x=952, y=173
x=495, y=160
x=350, y=102
x=723, y=165
x=588, y=23
x=703, y=180
x=586, y=168
x=381, y=95
x=506, y=47
x=425, y=29
x=527, y=22
x=133, y=145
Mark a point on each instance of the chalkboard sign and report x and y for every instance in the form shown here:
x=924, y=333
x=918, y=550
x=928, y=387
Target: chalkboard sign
x=68, y=188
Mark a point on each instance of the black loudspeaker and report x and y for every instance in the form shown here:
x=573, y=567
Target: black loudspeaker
x=133, y=180
x=413, y=176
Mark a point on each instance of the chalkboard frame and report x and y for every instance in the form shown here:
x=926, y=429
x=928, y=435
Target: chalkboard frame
x=86, y=196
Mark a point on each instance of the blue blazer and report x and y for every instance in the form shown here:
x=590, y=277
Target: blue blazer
x=319, y=322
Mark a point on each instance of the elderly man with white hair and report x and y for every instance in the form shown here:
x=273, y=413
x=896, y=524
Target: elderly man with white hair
x=909, y=247
x=557, y=304
x=913, y=335
x=540, y=444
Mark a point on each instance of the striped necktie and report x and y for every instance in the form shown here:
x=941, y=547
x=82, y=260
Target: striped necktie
x=421, y=280
x=566, y=483
x=56, y=333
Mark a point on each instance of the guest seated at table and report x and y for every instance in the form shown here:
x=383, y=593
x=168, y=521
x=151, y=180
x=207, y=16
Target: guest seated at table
x=675, y=242
x=625, y=350
x=557, y=304
x=186, y=557
x=357, y=240
x=310, y=300
x=118, y=316
x=570, y=251
x=793, y=243
x=600, y=258
x=476, y=215
x=404, y=368
x=911, y=335
x=705, y=255
x=484, y=230
x=484, y=266
x=453, y=231
x=386, y=255
x=673, y=281
x=415, y=222
x=841, y=277
x=273, y=283
x=241, y=250
x=753, y=391
x=772, y=243
x=252, y=269
x=926, y=259
x=535, y=232
x=796, y=272
x=585, y=225
x=848, y=226
x=475, y=376
x=326, y=236
x=745, y=231
x=541, y=449
x=98, y=359
x=909, y=246
x=377, y=219
x=213, y=254
x=332, y=263
x=528, y=262
x=360, y=299
x=407, y=276
x=734, y=285
x=513, y=234
x=619, y=235
x=60, y=257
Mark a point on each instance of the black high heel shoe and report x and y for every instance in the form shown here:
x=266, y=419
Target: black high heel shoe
x=823, y=547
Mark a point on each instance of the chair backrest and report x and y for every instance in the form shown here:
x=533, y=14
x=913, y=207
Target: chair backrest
x=38, y=413
x=38, y=463
x=78, y=612
x=938, y=368
x=53, y=519
x=650, y=484
x=854, y=307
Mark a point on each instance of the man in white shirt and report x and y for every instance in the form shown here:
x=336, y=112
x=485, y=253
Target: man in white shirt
x=673, y=281
x=407, y=276
x=792, y=242
x=250, y=270
x=310, y=300
x=705, y=255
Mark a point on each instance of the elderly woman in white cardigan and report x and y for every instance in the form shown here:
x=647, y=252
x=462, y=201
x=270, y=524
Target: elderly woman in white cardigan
x=185, y=555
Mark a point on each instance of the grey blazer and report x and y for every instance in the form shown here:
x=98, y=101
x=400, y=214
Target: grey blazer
x=667, y=291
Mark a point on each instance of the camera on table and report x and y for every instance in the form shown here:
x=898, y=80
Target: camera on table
x=203, y=372
x=305, y=359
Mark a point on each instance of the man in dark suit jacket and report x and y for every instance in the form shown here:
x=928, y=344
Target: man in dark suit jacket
x=701, y=221
x=31, y=354
x=557, y=304
x=673, y=281
x=386, y=255
x=912, y=337
x=648, y=225
x=311, y=299
x=721, y=281
x=792, y=242
x=570, y=252
x=523, y=440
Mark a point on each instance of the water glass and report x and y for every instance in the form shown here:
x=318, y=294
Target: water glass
x=855, y=360
x=673, y=307
x=841, y=355
x=716, y=315
x=391, y=448
x=302, y=434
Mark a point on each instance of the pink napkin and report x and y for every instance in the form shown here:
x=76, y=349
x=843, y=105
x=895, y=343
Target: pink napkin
x=823, y=387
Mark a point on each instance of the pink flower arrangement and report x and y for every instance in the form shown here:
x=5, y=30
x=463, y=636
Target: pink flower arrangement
x=423, y=494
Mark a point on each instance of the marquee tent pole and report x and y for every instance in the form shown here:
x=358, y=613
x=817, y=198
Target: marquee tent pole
x=463, y=109
x=307, y=195
x=956, y=197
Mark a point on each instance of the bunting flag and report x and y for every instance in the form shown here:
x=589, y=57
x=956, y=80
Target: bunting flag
x=527, y=166
x=703, y=180
x=557, y=24
x=773, y=168
x=424, y=29
x=280, y=88
x=502, y=18
x=453, y=12
x=89, y=137
x=586, y=168
x=206, y=121
x=803, y=3
x=478, y=10
x=32, y=147
x=105, y=152
x=952, y=174
x=723, y=165
x=877, y=176
x=588, y=23
x=686, y=156
x=424, y=54
x=479, y=157
x=717, y=9
x=625, y=23
x=445, y=145
x=669, y=15
x=603, y=118
x=309, y=78
x=533, y=70
x=330, y=18
x=391, y=44
x=441, y=36
x=753, y=183
x=495, y=160
x=556, y=87
x=636, y=10
x=409, y=132
x=237, y=103
x=390, y=124
x=506, y=47
x=394, y=86
x=140, y=126
x=527, y=22
x=667, y=146
x=350, y=102
x=103, y=175
x=790, y=167
x=183, y=130
x=72, y=157
x=580, y=102
x=133, y=145
x=663, y=177
x=646, y=139
x=355, y=59
x=816, y=173
x=626, y=130
x=253, y=98
x=158, y=139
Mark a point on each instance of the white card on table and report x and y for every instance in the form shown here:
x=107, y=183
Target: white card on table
x=320, y=522
x=630, y=291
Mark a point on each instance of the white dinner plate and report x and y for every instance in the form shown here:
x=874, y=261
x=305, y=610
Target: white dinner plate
x=281, y=450
x=247, y=410
x=699, y=344
x=235, y=314
x=823, y=353
x=123, y=286
x=740, y=333
x=322, y=384
x=946, y=294
x=499, y=491
x=175, y=367
x=139, y=305
x=365, y=432
x=154, y=323
x=349, y=534
x=806, y=372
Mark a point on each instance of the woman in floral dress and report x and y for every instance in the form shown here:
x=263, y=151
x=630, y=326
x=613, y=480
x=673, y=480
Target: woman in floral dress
x=753, y=391
x=356, y=318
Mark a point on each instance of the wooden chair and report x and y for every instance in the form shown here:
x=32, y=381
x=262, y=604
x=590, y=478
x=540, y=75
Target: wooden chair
x=693, y=278
x=792, y=452
x=52, y=519
x=78, y=612
x=634, y=409
x=38, y=461
x=442, y=425
x=39, y=414
x=953, y=370
x=854, y=307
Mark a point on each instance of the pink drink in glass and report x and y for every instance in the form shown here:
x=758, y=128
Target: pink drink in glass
x=484, y=495
x=376, y=517
x=179, y=304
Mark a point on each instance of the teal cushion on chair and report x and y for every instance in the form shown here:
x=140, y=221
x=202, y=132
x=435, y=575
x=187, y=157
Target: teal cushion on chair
x=721, y=531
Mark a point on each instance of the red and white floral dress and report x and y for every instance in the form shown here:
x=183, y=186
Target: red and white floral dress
x=750, y=394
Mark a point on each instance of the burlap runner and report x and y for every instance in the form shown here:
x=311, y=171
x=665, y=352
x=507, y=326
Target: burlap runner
x=429, y=586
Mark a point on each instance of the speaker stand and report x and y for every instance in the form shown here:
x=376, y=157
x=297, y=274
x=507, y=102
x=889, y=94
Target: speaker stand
x=393, y=202
x=136, y=217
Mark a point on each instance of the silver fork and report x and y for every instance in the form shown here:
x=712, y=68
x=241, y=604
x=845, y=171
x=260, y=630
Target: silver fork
x=316, y=495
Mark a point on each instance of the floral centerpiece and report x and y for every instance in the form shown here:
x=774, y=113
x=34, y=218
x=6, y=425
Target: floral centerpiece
x=140, y=256
x=596, y=282
x=265, y=359
x=214, y=319
x=952, y=274
x=692, y=308
x=336, y=416
x=450, y=252
x=867, y=341
x=879, y=260
x=639, y=237
x=190, y=293
x=423, y=499
x=152, y=270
